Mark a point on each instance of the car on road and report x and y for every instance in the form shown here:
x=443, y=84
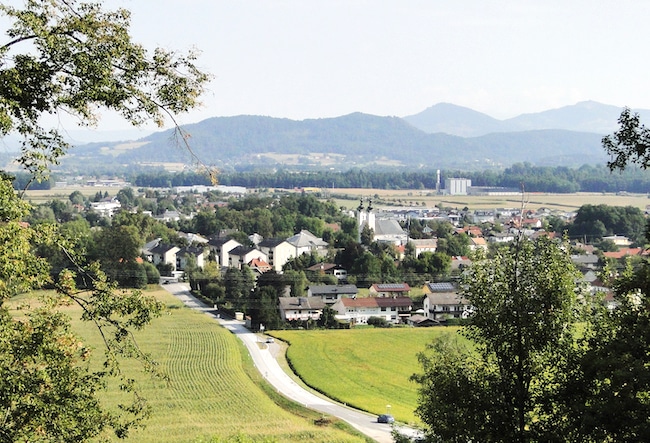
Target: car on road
x=385, y=418
x=270, y=340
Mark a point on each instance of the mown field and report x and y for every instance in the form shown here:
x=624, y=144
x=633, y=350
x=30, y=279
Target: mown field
x=210, y=396
x=365, y=368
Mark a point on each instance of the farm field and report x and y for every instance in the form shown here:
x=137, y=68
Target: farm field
x=365, y=368
x=414, y=198
x=210, y=396
x=427, y=198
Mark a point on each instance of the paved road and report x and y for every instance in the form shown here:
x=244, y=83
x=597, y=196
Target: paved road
x=271, y=370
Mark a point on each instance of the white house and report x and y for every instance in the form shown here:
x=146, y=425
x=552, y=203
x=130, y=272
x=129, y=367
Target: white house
x=242, y=255
x=279, y=251
x=305, y=242
x=301, y=308
x=164, y=254
x=424, y=245
x=619, y=240
x=332, y=293
x=359, y=310
x=106, y=207
x=443, y=305
x=220, y=247
x=185, y=254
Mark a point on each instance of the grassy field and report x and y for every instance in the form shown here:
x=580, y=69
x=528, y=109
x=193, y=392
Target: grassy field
x=365, y=368
x=213, y=394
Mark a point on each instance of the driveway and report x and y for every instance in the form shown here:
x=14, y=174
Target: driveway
x=273, y=373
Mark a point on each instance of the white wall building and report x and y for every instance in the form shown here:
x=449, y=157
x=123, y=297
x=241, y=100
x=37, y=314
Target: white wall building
x=457, y=186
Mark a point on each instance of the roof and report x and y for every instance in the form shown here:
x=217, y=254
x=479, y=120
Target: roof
x=271, y=242
x=241, y=250
x=424, y=242
x=258, y=263
x=391, y=287
x=376, y=302
x=306, y=239
x=162, y=248
x=441, y=287
x=389, y=302
x=446, y=298
x=322, y=267
x=193, y=238
x=301, y=303
x=334, y=289
x=189, y=250
x=388, y=227
x=421, y=320
x=220, y=241
x=585, y=259
x=623, y=252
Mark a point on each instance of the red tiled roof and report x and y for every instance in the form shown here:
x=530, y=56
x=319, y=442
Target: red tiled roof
x=623, y=252
x=375, y=302
x=257, y=263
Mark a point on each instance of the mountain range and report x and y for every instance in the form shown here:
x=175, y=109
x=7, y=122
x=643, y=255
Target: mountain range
x=442, y=136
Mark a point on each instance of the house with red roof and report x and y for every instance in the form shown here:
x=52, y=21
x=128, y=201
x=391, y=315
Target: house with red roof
x=623, y=252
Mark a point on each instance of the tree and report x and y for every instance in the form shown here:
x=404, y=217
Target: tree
x=263, y=308
x=64, y=56
x=74, y=57
x=630, y=144
x=610, y=379
x=521, y=335
x=77, y=198
x=327, y=318
x=367, y=235
x=126, y=197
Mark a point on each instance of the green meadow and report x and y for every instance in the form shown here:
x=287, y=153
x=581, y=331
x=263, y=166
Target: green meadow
x=366, y=368
x=213, y=394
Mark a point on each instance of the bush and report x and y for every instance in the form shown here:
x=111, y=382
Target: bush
x=153, y=276
x=378, y=322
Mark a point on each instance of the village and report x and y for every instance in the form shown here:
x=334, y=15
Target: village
x=423, y=297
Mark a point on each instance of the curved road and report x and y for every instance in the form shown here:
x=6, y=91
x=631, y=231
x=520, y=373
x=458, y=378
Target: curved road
x=273, y=373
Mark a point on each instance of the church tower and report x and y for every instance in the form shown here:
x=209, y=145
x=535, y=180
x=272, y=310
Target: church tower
x=365, y=216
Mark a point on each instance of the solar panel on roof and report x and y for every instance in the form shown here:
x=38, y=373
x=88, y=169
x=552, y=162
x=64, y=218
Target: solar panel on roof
x=442, y=286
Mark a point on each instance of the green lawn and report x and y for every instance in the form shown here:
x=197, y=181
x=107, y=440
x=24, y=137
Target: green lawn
x=210, y=395
x=365, y=368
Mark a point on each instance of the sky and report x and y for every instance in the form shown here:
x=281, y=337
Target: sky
x=302, y=59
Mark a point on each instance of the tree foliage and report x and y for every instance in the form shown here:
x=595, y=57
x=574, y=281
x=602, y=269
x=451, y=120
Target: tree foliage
x=630, y=144
x=74, y=58
x=64, y=56
x=524, y=302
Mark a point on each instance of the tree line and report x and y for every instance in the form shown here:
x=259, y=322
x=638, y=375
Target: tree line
x=588, y=178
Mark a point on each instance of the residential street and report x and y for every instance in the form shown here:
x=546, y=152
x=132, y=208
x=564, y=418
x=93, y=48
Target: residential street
x=271, y=370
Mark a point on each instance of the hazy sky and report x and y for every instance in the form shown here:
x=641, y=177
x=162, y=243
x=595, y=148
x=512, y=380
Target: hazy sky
x=310, y=59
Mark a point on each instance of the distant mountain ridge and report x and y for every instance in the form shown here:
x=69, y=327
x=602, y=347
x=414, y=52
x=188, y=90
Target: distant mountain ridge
x=586, y=116
x=442, y=136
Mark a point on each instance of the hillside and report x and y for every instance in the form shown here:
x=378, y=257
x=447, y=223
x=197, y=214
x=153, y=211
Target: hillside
x=587, y=116
x=355, y=140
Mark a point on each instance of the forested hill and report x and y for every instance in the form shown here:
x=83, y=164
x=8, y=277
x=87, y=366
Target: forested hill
x=355, y=140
